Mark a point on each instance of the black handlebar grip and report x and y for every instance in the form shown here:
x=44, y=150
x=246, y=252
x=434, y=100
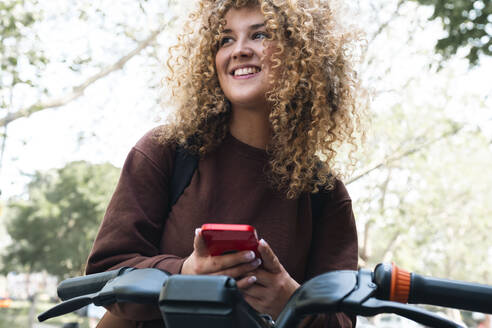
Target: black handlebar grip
x=398, y=285
x=382, y=278
x=84, y=285
x=450, y=293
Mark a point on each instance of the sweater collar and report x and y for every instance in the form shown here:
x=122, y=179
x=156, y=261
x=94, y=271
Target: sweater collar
x=244, y=149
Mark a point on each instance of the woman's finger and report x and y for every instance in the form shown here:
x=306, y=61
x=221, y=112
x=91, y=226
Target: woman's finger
x=199, y=244
x=270, y=260
x=246, y=282
x=223, y=262
x=213, y=264
x=264, y=278
x=240, y=270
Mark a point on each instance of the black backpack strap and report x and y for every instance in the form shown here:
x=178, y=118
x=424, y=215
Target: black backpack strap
x=185, y=165
x=316, y=205
x=317, y=200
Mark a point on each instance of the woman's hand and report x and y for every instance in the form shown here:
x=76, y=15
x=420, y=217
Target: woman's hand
x=268, y=288
x=235, y=265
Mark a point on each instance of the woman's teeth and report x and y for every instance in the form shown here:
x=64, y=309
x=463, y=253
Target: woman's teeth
x=246, y=71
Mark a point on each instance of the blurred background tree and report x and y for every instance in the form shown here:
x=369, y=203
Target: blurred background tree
x=54, y=225
x=52, y=53
x=23, y=31
x=467, y=24
x=422, y=183
x=21, y=56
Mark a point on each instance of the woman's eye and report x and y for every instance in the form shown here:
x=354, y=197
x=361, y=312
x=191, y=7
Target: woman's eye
x=260, y=35
x=225, y=40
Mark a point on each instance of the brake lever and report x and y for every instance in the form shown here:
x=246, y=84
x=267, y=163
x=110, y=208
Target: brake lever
x=68, y=306
x=374, y=306
x=362, y=302
x=105, y=296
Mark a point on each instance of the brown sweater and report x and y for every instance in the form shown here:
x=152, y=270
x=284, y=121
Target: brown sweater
x=227, y=187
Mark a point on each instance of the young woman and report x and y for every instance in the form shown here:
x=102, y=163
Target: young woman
x=264, y=90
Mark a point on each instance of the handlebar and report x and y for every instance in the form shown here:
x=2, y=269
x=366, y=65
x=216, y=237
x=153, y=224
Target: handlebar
x=78, y=286
x=215, y=301
x=448, y=293
x=401, y=286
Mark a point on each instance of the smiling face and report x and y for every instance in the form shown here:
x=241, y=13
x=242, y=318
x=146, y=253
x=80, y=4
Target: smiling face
x=242, y=60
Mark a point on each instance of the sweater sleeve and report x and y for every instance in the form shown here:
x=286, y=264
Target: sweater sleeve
x=334, y=247
x=334, y=241
x=131, y=231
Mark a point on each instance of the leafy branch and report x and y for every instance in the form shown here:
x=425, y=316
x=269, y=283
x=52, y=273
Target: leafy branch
x=400, y=155
x=78, y=91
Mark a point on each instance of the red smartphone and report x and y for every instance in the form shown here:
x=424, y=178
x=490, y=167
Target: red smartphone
x=229, y=238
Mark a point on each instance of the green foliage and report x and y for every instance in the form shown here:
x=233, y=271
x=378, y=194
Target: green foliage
x=467, y=23
x=54, y=227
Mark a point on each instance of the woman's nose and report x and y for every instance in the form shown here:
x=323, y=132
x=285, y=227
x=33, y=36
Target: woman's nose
x=242, y=49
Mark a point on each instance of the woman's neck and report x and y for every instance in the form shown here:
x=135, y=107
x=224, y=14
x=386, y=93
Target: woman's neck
x=251, y=127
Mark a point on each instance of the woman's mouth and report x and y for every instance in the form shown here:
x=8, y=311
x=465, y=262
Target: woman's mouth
x=245, y=72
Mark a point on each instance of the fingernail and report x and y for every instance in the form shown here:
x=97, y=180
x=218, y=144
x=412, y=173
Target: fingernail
x=197, y=231
x=252, y=279
x=250, y=255
x=263, y=242
x=257, y=262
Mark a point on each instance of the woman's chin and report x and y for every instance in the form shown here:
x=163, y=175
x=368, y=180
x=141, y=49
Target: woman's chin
x=249, y=102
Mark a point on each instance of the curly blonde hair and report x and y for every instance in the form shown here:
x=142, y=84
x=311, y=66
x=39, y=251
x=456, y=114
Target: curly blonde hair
x=315, y=102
